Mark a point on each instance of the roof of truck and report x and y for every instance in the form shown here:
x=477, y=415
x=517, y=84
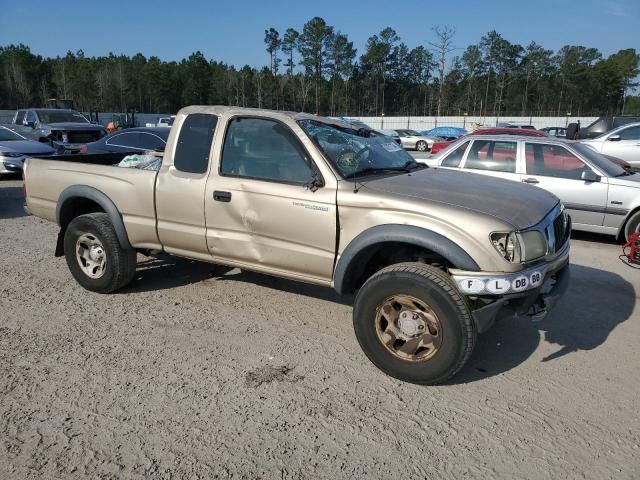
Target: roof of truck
x=220, y=109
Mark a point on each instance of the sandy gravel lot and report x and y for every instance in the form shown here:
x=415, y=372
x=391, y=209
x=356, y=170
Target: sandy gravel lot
x=194, y=371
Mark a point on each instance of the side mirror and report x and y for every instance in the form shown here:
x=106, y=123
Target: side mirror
x=315, y=182
x=27, y=123
x=589, y=176
x=614, y=138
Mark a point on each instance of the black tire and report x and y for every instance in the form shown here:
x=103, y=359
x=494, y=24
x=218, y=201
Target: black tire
x=422, y=146
x=120, y=266
x=632, y=225
x=433, y=287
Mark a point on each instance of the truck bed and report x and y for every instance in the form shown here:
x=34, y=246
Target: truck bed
x=131, y=190
x=90, y=158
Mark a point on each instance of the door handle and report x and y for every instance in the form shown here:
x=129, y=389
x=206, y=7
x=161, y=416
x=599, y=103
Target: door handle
x=530, y=180
x=219, y=196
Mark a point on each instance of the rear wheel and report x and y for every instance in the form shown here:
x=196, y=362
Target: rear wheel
x=413, y=323
x=94, y=255
x=422, y=146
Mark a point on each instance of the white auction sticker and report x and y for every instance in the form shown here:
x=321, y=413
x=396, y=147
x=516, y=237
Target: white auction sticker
x=471, y=285
x=535, y=279
x=520, y=283
x=391, y=147
x=498, y=285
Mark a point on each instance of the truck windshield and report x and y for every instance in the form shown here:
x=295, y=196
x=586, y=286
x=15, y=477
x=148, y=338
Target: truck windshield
x=60, y=116
x=356, y=152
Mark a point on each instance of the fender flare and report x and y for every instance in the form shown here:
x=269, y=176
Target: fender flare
x=408, y=234
x=90, y=193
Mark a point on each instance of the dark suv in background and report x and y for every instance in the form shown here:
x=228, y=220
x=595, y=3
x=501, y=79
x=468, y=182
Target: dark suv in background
x=600, y=126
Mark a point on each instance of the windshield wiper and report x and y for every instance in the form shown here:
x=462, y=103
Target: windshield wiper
x=374, y=170
x=408, y=167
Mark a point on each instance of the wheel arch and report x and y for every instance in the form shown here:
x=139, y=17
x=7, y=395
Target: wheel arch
x=620, y=235
x=359, y=250
x=81, y=199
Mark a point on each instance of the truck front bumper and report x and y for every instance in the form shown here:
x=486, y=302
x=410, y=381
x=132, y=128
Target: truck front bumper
x=532, y=292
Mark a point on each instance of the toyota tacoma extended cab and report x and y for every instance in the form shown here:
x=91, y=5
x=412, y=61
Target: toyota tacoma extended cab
x=433, y=256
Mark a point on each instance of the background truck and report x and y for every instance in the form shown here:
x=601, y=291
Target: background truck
x=67, y=129
x=433, y=255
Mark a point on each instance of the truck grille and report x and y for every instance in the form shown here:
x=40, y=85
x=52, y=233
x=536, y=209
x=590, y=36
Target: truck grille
x=561, y=229
x=80, y=136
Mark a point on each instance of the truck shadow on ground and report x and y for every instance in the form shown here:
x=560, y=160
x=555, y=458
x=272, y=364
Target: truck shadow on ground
x=11, y=203
x=163, y=271
x=595, y=304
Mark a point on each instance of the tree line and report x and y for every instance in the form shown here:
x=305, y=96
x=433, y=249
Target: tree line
x=317, y=69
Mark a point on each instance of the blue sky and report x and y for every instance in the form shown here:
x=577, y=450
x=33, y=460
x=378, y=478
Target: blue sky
x=233, y=31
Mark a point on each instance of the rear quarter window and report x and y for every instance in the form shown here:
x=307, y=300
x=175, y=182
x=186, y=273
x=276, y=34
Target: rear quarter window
x=194, y=143
x=455, y=157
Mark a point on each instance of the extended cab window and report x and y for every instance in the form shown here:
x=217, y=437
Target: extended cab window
x=194, y=143
x=19, y=117
x=492, y=155
x=263, y=149
x=455, y=157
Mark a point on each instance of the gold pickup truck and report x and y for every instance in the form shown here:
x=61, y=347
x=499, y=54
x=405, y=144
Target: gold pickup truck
x=434, y=256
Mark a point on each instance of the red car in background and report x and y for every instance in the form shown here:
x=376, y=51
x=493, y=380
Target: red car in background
x=439, y=146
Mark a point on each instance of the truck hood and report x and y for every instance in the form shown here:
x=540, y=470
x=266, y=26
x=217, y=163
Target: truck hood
x=512, y=202
x=74, y=126
x=26, y=147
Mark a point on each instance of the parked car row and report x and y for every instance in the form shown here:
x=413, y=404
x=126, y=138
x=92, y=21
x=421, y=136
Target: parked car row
x=599, y=194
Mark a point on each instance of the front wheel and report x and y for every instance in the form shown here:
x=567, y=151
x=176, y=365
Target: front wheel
x=632, y=225
x=413, y=323
x=94, y=255
x=421, y=146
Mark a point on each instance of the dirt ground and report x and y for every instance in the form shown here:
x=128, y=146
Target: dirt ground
x=194, y=371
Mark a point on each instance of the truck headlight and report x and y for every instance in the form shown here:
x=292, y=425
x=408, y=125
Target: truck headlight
x=507, y=245
x=518, y=247
x=532, y=245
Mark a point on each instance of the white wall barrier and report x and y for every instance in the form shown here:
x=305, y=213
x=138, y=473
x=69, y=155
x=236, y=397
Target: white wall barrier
x=427, y=123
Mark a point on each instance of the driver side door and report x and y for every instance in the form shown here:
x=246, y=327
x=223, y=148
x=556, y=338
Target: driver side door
x=262, y=211
x=558, y=170
x=624, y=144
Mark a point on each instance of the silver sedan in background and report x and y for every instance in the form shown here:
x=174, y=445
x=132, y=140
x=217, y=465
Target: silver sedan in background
x=412, y=140
x=622, y=142
x=599, y=195
x=14, y=148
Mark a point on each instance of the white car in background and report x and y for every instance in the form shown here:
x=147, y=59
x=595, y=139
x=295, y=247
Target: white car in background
x=165, y=121
x=622, y=142
x=412, y=140
x=599, y=195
